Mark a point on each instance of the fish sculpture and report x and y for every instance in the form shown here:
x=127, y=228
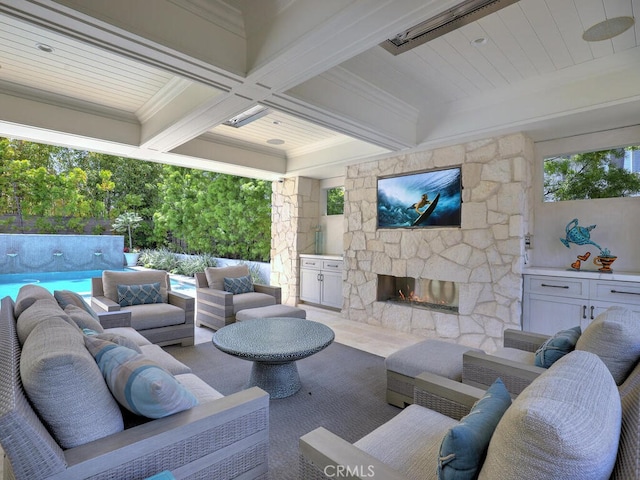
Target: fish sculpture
x=578, y=235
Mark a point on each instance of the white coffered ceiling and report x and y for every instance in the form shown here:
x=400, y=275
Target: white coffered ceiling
x=155, y=79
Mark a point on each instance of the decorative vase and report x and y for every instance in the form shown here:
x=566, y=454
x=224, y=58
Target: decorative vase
x=604, y=263
x=131, y=258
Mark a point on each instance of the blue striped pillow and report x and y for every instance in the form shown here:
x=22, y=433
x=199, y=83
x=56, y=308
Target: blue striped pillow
x=137, y=383
x=238, y=285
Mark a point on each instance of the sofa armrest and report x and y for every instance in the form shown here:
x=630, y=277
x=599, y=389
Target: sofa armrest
x=527, y=341
x=325, y=455
x=481, y=370
x=120, y=318
x=104, y=304
x=185, y=302
x=218, y=297
x=446, y=396
x=269, y=290
x=231, y=429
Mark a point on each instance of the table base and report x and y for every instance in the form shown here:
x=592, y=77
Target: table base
x=279, y=380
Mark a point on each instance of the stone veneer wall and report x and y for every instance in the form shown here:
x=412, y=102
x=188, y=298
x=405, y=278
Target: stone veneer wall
x=295, y=214
x=485, y=255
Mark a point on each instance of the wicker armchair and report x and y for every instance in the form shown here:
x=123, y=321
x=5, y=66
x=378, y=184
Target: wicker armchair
x=513, y=364
x=216, y=307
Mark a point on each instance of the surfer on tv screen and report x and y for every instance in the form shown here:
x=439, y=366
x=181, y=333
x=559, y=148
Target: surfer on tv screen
x=423, y=202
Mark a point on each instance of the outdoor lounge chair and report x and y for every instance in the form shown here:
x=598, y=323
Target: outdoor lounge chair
x=217, y=307
x=165, y=320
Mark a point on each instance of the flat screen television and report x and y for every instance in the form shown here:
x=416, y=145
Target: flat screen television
x=421, y=200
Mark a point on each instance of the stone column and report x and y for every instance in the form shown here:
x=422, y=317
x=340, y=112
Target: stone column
x=295, y=214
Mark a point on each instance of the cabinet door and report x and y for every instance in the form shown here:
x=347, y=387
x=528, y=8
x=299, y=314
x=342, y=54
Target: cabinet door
x=598, y=307
x=332, y=289
x=547, y=314
x=310, y=285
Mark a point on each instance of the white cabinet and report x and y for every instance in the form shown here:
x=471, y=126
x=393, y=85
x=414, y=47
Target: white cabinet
x=321, y=280
x=557, y=302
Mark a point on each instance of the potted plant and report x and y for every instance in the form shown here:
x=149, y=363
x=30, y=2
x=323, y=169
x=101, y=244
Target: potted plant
x=127, y=222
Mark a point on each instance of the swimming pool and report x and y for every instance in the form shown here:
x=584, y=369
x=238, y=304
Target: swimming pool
x=79, y=281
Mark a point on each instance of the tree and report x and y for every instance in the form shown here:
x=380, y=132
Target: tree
x=127, y=222
x=589, y=175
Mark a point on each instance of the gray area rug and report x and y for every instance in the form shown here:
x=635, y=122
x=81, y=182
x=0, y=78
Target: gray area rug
x=343, y=390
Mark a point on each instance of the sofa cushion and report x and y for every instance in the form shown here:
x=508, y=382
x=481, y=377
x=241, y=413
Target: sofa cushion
x=238, y=285
x=65, y=385
x=557, y=347
x=628, y=460
x=140, y=385
x=67, y=297
x=200, y=389
x=131, y=334
x=28, y=295
x=216, y=275
x=156, y=354
x=464, y=446
x=154, y=315
x=111, y=279
x=40, y=311
x=243, y=301
x=82, y=318
x=115, y=338
x=566, y=424
x=409, y=442
x=615, y=337
x=139, y=294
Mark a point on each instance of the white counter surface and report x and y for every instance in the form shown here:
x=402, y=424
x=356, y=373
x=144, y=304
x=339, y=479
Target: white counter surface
x=321, y=257
x=587, y=274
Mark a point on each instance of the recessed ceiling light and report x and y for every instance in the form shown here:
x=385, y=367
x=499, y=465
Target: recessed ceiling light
x=277, y=122
x=43, y=47
x=478, y=42
x=608, y=29
x=275, y=141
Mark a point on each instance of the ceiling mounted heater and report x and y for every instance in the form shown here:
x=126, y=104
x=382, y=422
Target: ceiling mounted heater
x=462, y=14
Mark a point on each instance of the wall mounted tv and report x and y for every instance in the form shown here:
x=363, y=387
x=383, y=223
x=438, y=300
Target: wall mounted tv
x=420, y=200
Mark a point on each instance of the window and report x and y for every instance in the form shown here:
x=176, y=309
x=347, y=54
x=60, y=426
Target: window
x=335, y=201
x=608, y=173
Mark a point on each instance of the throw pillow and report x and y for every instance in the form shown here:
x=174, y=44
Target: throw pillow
x=139, y=294
x=464, y=446
x=119, y=340
x=67, y=297
x=557, y=347
x=238, y=285
x=28, y=295
x=137, y=383
x=614, y=336
x=82, y=318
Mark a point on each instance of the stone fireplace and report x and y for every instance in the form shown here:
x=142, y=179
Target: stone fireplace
x=477, y=265
x=439, y=295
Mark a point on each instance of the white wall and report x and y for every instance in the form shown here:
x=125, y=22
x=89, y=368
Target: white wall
x=617, y=220
x=332, y=225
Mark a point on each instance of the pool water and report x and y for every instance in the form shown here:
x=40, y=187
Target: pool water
x=79, y=281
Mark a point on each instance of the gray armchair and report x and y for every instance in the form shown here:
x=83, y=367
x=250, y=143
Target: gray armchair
x=216, y=307
x=165, y=323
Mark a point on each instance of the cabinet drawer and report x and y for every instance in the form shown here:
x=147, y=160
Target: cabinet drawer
x=618, y=292
x=311, y=263
x=332, y=265
x=561, y=287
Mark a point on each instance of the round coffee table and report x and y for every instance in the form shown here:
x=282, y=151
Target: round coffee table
x=274, y=345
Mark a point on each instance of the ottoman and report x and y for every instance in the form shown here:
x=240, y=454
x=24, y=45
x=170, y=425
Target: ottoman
x=270, y=311
x=433, y=356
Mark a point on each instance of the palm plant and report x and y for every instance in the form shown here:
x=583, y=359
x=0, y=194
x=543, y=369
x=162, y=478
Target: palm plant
x=127, y=222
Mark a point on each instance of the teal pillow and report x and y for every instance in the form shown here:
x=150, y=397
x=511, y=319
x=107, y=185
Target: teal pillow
x=137, y=383
x=238, y=285
x=139, y=294
x=82, y=318
x=464, y=446
x=557, y=347
x=67, y=297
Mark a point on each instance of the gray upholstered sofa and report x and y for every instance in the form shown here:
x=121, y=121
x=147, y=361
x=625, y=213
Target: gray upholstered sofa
x=164, y=322
x=571, y=422
x=59, y=420
x=216, y=307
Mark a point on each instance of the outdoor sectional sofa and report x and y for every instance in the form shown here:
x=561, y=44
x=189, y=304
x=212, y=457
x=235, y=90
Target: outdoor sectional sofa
x=59, y=419
x=571, y=422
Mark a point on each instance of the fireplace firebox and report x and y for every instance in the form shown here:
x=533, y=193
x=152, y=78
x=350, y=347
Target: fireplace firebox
x=425, y=293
